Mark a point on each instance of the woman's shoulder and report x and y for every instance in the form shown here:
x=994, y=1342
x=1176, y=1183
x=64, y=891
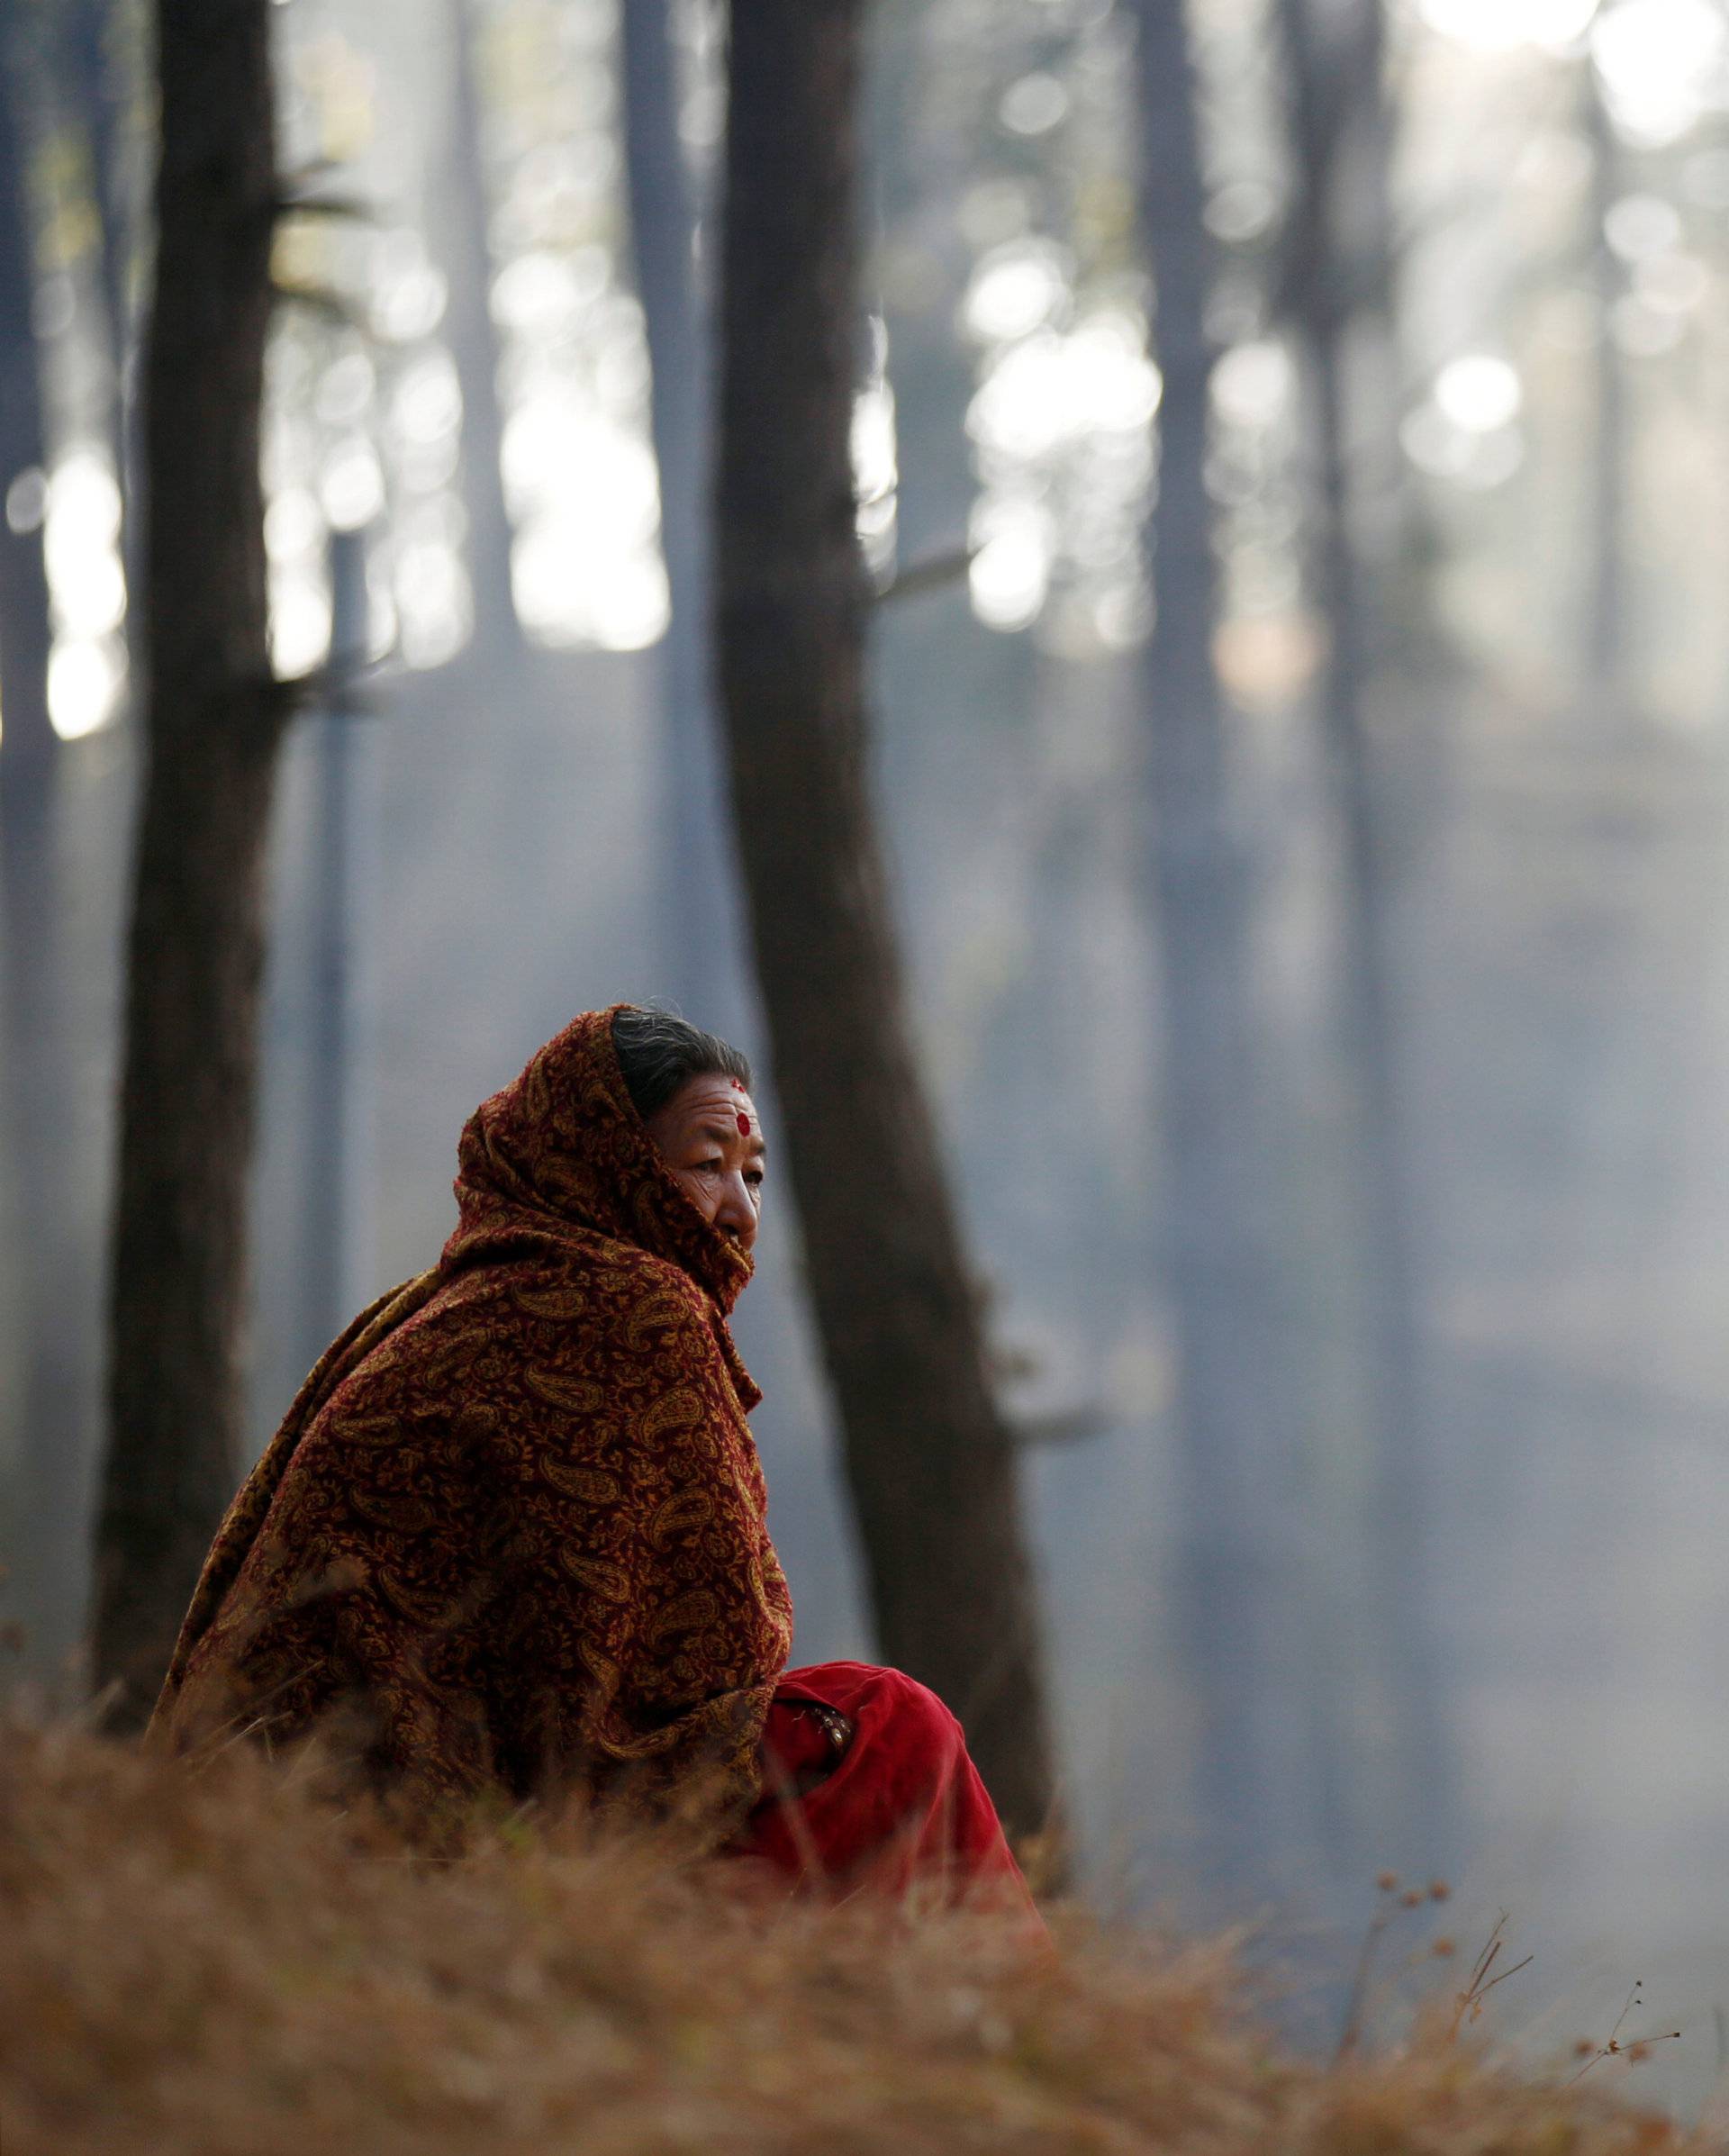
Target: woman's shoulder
x=497, y=1331
x=611, y=1297
x=620, y=1283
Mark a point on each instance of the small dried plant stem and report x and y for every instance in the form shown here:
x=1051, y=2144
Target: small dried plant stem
x=1468, y=2004
x=1356, y=2005
x=1352, y=2032
x=1632, y=2050
x=1392, y=1902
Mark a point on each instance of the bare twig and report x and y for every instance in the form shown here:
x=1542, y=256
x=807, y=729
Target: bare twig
x=338, y=686
x=322, y=300
x=350, y=206
x=930, y=572
x=1061, y=1426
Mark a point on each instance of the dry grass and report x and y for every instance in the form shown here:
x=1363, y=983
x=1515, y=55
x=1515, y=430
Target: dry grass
x=193, y=1965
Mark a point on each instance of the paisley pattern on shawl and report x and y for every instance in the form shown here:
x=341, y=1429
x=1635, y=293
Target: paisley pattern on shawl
x=511, y=1536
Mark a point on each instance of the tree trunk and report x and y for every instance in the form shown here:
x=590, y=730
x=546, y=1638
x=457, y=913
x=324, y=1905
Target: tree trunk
x=337, y=1178
x=28, y=738
x=99, y=85
x=1238, y=1406
x=99, y=52
x=462, y=215
x=928, y=1461
x=47, y=1559
x=700, y=949
x=196, y=955
x=1388, y=1744
x=1394, y=1756
x=1361, y=244
x=1606, y=622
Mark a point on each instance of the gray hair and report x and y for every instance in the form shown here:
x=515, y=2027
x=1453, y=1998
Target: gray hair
x=659, y=1052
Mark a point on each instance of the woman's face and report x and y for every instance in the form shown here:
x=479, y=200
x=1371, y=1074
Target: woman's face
x=711, y=1139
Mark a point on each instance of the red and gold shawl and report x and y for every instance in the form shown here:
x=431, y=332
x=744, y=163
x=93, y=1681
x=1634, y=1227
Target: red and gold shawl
x=511, y=1536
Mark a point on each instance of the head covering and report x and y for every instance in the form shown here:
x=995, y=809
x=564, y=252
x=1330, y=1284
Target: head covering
x=511, y=1536
x=562, y=1150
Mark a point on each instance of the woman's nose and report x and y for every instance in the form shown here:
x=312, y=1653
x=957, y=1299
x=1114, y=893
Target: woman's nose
x=735, y=1215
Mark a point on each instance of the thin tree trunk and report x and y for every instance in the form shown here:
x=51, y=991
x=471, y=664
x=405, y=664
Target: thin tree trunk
x=1389, y=1738
x=1340, y=259
x=1238, y=1407
x=337, y=1172
x=1387, y=509
x=195, y=955
x=930, y=1463
x=48, y=1572
x=699, y=948
x=463, y=218
x=106, y=97
x=28, y=738
x=1606, y=595
x=101, y=92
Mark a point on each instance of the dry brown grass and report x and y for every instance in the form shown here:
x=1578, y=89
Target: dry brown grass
x=200, y=1964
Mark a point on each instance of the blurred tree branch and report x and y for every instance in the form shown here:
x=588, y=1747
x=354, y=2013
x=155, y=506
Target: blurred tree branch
x=932, y=572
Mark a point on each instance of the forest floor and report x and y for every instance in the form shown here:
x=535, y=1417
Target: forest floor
x=218, y=1965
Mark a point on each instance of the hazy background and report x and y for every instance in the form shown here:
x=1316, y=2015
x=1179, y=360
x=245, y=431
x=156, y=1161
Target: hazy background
x=1544, y=510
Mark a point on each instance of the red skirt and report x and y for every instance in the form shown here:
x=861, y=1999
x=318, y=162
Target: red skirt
x=904, y=1808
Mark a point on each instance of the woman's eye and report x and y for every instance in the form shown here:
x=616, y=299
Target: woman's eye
x=706, y=1167
x=755, y=1178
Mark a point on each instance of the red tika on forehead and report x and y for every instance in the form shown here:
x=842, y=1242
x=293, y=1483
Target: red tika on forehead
x=744, y=1126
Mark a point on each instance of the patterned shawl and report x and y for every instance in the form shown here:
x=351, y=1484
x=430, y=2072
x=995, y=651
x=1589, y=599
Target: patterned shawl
x=510, y=1536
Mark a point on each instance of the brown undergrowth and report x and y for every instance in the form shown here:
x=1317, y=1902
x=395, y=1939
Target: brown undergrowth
x=216, y=1965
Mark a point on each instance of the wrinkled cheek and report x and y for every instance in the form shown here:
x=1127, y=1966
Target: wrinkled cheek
x=699, y=1194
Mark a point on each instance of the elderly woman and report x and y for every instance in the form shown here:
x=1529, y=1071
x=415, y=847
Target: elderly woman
x=510, y=1541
